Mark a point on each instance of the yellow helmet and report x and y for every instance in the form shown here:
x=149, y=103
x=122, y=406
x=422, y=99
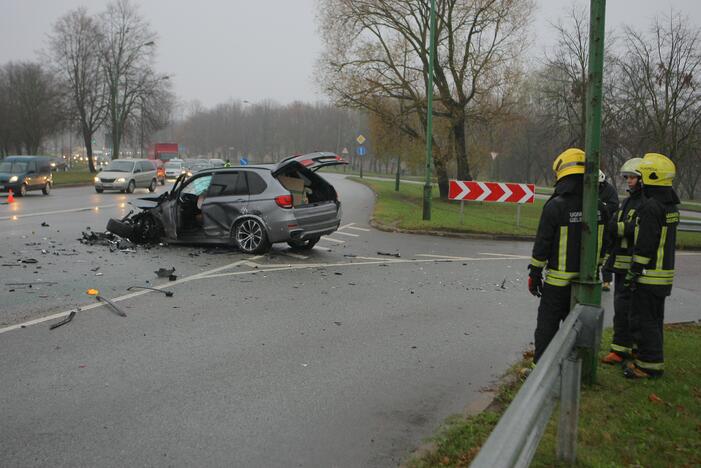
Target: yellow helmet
x=657, y=169
x=571, y=161
x=630, y=167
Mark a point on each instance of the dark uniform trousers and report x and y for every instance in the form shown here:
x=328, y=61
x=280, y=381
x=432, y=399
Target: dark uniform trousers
x=647, y=313
x=625, y=330
x=554, y=306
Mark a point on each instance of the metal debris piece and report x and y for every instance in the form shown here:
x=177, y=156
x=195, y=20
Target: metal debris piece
x=64, y=321
x=503, y=283
x=45, y=224
x=29, y=260
x=112, y=306
x=387, y=254
x=167, y=293
x=165, y=272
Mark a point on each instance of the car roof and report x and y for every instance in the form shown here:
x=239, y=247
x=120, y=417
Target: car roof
x=24, y=157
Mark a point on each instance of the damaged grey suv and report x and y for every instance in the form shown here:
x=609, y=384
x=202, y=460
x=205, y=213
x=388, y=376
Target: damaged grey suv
x=250, y=207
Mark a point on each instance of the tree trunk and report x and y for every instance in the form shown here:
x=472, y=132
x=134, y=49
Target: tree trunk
x=87, y=140
x=458, y=123
x=442, y=176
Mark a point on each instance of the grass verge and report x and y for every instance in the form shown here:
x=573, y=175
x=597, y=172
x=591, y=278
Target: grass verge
x=403, y=211
x=621, y=422
x=73, y=178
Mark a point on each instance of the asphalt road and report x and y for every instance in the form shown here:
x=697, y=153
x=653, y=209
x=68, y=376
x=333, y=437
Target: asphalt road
x=338, y=357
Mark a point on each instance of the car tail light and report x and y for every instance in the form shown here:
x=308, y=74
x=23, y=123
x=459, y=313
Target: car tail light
x=284, y=201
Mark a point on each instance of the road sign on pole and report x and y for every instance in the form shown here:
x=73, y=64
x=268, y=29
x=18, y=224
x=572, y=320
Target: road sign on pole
x=497, y=192
x=243, y=161
x=344, y=150
x=360, y=139
x=361, y=151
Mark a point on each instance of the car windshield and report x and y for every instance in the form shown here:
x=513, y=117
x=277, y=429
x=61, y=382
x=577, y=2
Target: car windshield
x=173, y=165
x=120, y=166
x=13, y=167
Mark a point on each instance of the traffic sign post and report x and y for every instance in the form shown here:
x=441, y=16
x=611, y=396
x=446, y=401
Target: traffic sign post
x=361, y=151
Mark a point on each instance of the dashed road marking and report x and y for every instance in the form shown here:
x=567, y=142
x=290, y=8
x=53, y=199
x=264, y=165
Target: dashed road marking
x=325, y=249
x=334, y=240
x=349, y=234
x=359, y=228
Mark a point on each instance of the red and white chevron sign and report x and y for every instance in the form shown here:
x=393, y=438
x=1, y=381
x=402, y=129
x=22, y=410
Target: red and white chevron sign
x=498, y=192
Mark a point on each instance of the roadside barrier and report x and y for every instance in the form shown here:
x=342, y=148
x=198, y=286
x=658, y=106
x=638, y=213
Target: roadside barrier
x=557, y=376
x=689, y=225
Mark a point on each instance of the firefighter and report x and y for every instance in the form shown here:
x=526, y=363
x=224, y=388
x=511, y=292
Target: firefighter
x=227, y=163
x=622, y=229
x=609, y=197
x=651, y=273
x=557, y=246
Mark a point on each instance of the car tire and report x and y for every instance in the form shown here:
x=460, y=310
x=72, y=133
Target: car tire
x=250, y=236
x=163, y=181
x=22, y=190
x=99, y=190
x=305, y=244
x=120, y=228
x=131, y=186
x=47, y=189
x=152, y=187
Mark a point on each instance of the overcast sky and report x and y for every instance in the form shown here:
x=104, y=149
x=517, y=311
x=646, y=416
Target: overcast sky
x=218, y=50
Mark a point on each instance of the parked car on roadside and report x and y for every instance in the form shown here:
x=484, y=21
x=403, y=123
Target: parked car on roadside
x=251, y=207
x=126, y=175
x=24, y=173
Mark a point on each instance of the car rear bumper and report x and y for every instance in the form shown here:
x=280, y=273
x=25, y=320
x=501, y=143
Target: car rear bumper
x=305, y=223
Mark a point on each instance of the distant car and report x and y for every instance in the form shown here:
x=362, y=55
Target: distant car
x=175, y=168
x=126, y=175
x=199, y=166
x=250, y=207
x=160, y=170
x=58, y=164
x=217, y=162
x=24, y=173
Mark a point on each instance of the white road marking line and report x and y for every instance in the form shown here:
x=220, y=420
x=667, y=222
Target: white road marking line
x=211, y=274
x=325, y=249
x=504, y=255
x=48, y=213
x=95, y=305
x=294, y=255
x=345, y=226
x=438, y=256
x=334, y=240
x=349, y=234
x=359, y=229
x=688, y=254
x=377, y=258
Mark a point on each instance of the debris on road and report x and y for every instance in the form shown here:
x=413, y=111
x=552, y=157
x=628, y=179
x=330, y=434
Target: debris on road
x=64, y=321
x=45, y=224
x=111, y=305
x=165, y=272
x=388, y=254
x=167, y=293
x=45, y=283
x=29, y=260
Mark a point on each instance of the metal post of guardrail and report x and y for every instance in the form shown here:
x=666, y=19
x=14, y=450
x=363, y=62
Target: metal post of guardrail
x=514, y=440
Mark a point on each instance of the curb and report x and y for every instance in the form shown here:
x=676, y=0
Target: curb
x=458, y=235
x=72, y=184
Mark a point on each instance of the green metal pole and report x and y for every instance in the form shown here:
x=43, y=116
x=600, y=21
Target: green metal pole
x=588, y=289
x=429, y=117
x=396, y=178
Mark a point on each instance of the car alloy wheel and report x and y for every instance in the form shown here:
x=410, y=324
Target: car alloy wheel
x=251, y=237
x=131, y=187
x=152, y=187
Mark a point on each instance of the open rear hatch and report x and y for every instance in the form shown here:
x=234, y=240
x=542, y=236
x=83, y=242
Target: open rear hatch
x=311, y=161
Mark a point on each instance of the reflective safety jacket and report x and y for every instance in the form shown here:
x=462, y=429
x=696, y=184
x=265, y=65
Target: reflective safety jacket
x=559, y=236
x=655, y=239
x=623, y=231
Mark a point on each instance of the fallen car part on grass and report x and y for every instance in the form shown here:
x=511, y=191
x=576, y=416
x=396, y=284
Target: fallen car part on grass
x=387, y=254
x=64, y=321
x=111, y=305
x=167, y=293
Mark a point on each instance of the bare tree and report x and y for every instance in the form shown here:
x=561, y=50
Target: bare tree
x=660, y=89
x=74, y=48
x=33, y=105
x=476, y=42
x=127, y=52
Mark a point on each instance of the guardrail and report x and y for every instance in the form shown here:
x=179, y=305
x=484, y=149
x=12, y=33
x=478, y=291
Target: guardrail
x=689, y=225
x=514, y=440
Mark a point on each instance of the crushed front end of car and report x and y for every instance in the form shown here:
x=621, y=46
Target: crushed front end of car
x=144, y=226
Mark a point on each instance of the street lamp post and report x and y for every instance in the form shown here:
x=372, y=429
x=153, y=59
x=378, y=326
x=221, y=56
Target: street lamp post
x=429, y=117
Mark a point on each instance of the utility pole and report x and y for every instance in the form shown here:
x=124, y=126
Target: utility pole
x=587, y=290
x=429, y=117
